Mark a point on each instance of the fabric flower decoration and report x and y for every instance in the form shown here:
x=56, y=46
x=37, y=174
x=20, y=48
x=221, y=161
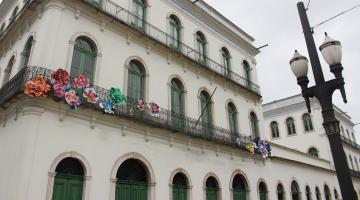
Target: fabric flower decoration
x=250, y=148
x=90, y=95
x=154, y=109
x=141, y=105
x=61, y=77
x=59, y=89
x=107, y=106
x=72, y=98
x=116, y=97
x=81, y=81
x=37, y=87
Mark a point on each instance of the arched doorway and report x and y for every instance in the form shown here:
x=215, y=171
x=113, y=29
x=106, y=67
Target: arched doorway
x=132, y=181
x=239, y=186
x=212, y=188
x=327, y=192
x=295, y=191
x=280, y=192
x=69, y=180
x=262, y=191
x=180, y=187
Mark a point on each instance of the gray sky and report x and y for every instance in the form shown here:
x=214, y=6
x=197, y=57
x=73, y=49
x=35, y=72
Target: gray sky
x=277, y=22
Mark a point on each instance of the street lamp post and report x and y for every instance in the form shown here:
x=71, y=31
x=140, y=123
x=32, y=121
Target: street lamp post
x=323, y=91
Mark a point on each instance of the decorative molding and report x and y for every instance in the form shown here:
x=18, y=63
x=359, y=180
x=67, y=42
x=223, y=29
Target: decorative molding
x=33, y=110
x=128, y=39
x=102, y=26
x=77, y=13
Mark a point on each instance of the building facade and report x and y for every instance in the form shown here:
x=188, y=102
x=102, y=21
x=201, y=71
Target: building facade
x=171, y=104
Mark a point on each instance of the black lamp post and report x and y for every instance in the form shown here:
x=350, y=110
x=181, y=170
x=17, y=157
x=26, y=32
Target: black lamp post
x=323, y=91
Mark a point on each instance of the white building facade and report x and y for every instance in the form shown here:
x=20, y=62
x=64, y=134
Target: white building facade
x=184, y=61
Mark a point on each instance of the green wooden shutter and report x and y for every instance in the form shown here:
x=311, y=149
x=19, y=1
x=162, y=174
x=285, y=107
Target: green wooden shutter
x=239, y=195
x=68, y=188
x=262, y=195
x=211, y=194
x=179, y=193
x=59, y=191
x=131, y=191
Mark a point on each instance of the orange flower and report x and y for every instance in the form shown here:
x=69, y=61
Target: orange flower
x=37, y=87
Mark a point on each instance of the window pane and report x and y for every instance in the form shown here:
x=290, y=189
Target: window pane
x=88, y=66
x=75, y=65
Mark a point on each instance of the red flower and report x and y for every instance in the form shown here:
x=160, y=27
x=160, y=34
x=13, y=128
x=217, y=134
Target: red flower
x=61, y=76
x=37, y=87
x=81, y=82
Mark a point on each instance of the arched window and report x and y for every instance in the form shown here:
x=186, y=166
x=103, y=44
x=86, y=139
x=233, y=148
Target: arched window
x=353, y=137
x=201, y=47
x=136, y=81
x=84, y=57
x=295, y=191
x=254, y=125
x=180, y=187
x=342, y=130
x=336, y=194
x=247, y=72
x=2, y=28
x=239, y=188
x=307, y=122
x=262, y=191
x=233, y=121
x=280, y=192
x=351, y=162
x=313, y=151
x=308, y=193
x=8, y=70
x=327, y=193
x=348, y=134
x=226, y=61
x=291, y=126
x=175, y=32
x=206, y=118
x=25, y=55
x=132, y=181
x=274, y=130
x=317, y=193
x=139, y=11
x=69, y=180
x=14, y=13
x=212, y=188
x=177, y=104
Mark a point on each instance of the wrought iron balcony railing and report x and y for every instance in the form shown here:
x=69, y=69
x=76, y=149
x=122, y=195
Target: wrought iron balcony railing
x=350, y=142
x=163, y=119
x=128, y=18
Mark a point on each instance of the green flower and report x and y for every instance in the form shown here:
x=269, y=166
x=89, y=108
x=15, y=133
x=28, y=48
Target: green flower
x=116, y=97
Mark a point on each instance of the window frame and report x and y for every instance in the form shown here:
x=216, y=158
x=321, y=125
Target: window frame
x=201, y=45
x=291, y=127
x=232, y=117
x=275, y=133
x=140, y=75
x=175, y=27
x=307, y=123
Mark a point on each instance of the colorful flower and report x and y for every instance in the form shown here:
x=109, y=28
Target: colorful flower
x=72, y=98
x=81, y=81
x=116, y=97
x=141, y=105
x=59, y=89
x=61, y=76
x=154, y=108
x=250, y=148
x=90, y=95
x=37, y=87
x=107, y=106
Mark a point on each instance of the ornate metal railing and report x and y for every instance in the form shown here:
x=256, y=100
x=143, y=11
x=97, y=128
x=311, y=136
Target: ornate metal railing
x=126, y=17
x=355, y=173
x=163, y=119
x=350, y=142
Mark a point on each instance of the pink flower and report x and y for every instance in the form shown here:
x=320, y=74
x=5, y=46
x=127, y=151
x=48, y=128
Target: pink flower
x=90, y=95
x=72, y=98
x=81, y=81
x=59, y=89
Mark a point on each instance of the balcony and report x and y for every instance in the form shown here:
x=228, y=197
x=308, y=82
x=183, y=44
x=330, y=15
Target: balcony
x=127, y=18
x=350, y=142
x=164, y=119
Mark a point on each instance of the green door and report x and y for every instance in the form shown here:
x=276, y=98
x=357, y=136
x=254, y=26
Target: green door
x=206, y=118
x=68, y=187
x=131, y=190
x=179, y=193
x=211, y=194
x=239, y=195
x=177, y=105
x=262, y=195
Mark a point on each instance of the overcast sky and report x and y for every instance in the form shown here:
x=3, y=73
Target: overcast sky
x=276, y=22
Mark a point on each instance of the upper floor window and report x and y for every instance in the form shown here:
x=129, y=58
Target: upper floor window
x=254, y=125
x=317, y=193
x=139, y=10
x=84, y=57
x=327, y=193
x=2, y=28
x=232, y=114
x=356, y=164
x=226, y=60
x=175, y=32
x=8, y=70
x=291, y=126
x=342, y=130
x=25, y=55
x=308, y=193
x=280, y=192
x=247, y=72
x=313, y=151
x=275, y=130
x=351, y=162
x=14, y=13
x=295, y=191
x=177, y=104
x=136, y=81
x=201, y=46
x=348, y=134
x=307, y=122
x=353, y=137
x=206, y=110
